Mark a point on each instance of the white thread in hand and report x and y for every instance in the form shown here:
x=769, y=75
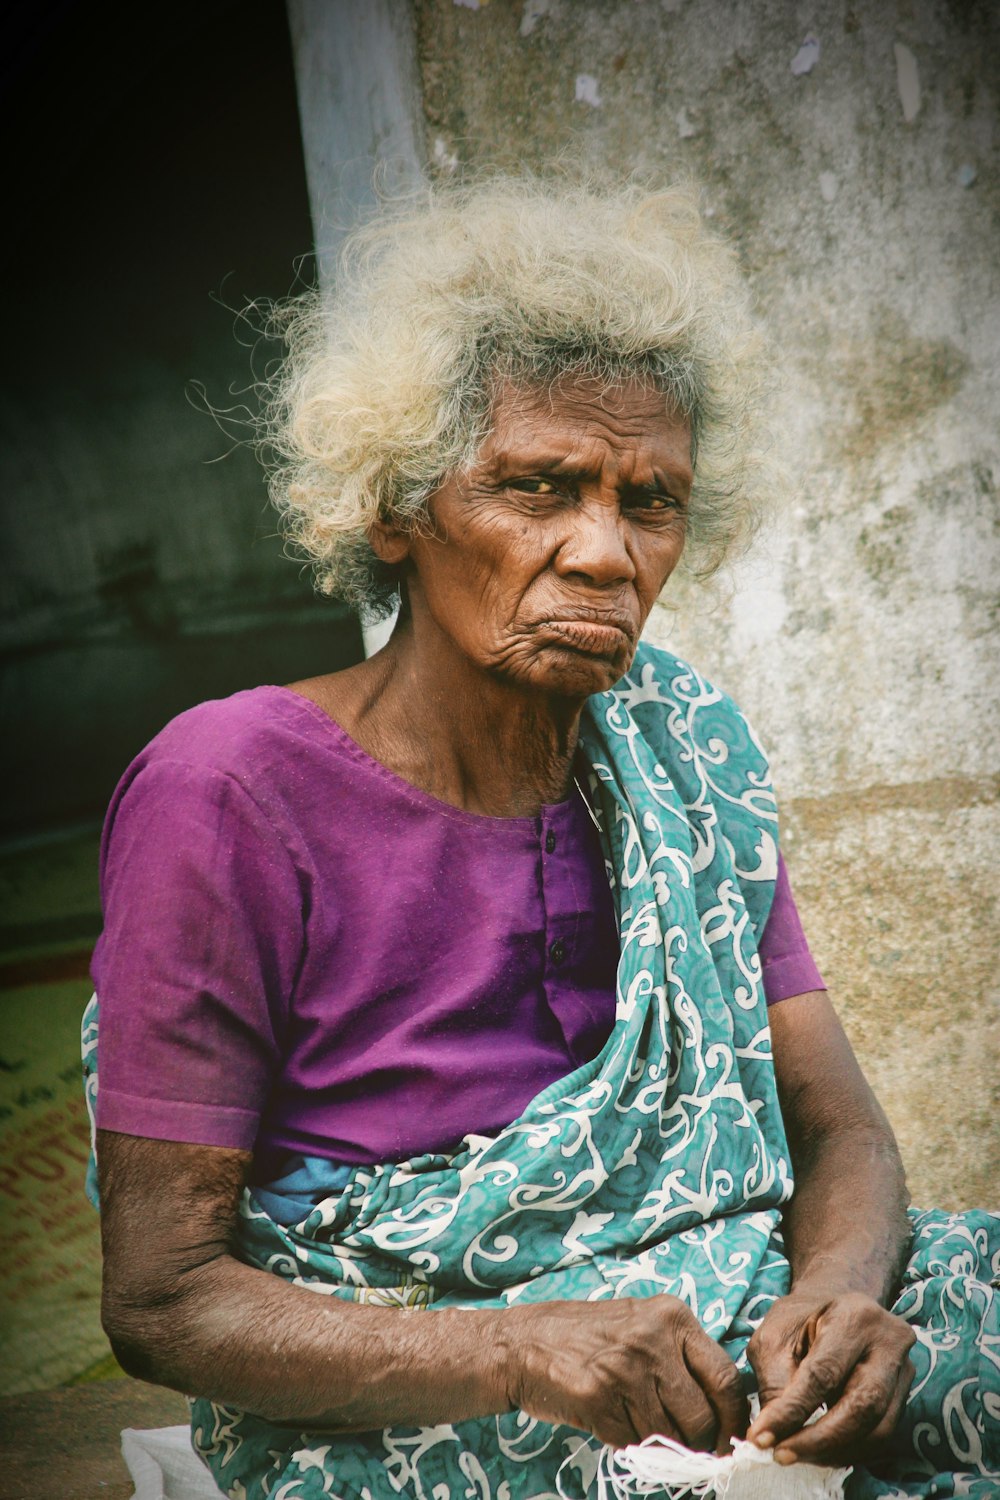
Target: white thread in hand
x=748, y=1473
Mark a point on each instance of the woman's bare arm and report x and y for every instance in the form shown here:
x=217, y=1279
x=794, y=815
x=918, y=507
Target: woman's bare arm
x=846, y=1235
x=847, y=1222
x=179, y=1309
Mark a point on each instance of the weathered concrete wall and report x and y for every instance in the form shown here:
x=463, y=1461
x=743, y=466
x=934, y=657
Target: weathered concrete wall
x=861, y=635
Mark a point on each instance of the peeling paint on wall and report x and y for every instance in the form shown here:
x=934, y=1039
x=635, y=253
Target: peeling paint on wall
x=587, y=91
x=806, y=57
x=685, y=129
x=907, y=82
x=444, y=160
x=534, y=11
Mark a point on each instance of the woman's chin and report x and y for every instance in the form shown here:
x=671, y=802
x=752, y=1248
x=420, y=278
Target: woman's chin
x=567, y=673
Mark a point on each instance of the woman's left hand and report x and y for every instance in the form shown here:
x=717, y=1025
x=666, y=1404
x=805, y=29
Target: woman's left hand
x=843, y=1350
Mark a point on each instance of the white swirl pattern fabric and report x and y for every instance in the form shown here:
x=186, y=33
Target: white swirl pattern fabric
x=661, y=1166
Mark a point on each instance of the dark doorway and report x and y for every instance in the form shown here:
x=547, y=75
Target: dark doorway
x=156, y=183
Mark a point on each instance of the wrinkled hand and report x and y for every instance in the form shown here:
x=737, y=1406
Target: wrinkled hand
x=624, y=1370
x=842, y=1350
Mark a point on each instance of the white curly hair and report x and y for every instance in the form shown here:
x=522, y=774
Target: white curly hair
x=389, y=377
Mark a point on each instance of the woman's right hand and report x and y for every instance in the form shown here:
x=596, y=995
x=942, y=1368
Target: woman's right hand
x=623, y=1370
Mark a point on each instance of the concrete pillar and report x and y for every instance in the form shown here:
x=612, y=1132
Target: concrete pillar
x=361, y=113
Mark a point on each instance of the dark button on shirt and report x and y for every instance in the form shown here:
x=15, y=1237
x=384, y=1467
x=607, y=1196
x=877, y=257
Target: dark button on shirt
x=550, y=842
x=558, y=951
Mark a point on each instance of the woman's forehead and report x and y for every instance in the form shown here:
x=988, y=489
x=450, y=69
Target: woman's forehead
x=580, y=413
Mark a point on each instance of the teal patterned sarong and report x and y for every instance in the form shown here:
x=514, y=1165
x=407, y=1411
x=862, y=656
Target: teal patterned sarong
x=661, y=1166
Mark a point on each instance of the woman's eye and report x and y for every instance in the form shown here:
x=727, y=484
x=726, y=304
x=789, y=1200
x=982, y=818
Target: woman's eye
x=652, y=500
x=535, y=486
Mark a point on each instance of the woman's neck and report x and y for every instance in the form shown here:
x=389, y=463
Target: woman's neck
x=461, y=734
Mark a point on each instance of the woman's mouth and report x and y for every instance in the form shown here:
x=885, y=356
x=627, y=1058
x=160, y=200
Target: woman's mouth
x=607, y=636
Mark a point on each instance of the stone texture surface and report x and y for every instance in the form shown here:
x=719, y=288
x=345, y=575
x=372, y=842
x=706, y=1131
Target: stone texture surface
x=861, y=634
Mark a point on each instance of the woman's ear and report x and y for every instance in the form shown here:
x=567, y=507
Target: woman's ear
x=389, y=542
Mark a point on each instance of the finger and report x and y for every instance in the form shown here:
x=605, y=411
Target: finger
x=819, y=1378
x=721, y=1384
x=623, y=1426
x=646, y=1413
x=774, y=1362
x=885, y=1431
x=631, y=1423
x=688, y=1410
x=614, y=1425
x=654, y=1410
x=868, y=1395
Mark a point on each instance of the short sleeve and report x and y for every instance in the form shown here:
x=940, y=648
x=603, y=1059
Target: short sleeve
x=203, y=934
x=788, y=967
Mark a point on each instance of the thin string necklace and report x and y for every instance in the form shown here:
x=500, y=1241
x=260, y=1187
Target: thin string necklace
x=586, y=803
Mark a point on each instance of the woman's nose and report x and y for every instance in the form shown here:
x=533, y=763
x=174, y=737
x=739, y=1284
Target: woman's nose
x=595, y=545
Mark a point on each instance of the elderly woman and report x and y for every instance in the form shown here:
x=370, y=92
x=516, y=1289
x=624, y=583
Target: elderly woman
x=440, y=986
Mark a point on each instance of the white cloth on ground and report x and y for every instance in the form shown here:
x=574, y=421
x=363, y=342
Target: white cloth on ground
x=164, y=1466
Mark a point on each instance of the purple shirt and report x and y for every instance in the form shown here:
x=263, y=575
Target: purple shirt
x=303, y=953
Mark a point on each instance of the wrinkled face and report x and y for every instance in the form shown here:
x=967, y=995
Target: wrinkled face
x=549, y=552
